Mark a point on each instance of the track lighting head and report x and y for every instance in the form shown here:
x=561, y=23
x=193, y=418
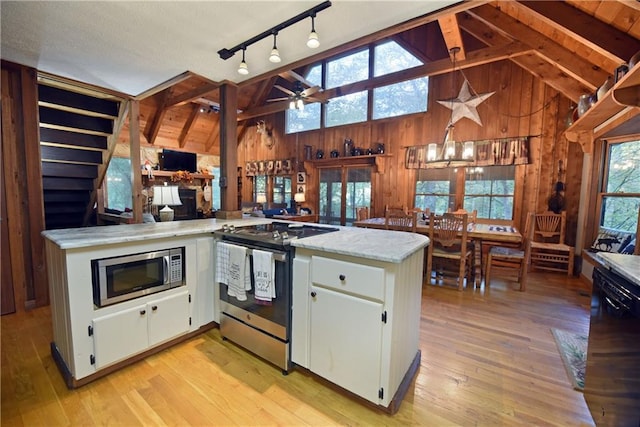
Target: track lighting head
x=313, y=41
x=275, y=55
x=243, y=68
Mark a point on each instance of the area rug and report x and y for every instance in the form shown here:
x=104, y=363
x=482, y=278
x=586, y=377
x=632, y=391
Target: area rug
x=573, y=350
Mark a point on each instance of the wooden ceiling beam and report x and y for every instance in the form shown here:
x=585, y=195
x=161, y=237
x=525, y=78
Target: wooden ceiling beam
x=442, y=66
x=158, y=117
x=452, y=36
x=188, y=125
x=193, y=94
x=597, y=35
x=578, y=68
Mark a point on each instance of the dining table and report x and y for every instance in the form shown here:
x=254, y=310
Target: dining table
x=477, y=233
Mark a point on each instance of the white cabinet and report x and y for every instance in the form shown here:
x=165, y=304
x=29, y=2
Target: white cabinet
x=122, y=334
x=356, y=322
x=345, y=340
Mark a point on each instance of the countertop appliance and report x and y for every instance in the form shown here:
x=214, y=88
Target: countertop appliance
x=265, y=330
x=612, y=378
x=122, y=278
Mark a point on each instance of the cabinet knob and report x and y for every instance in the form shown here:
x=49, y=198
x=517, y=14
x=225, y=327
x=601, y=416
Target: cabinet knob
x=143, y=312
x=313, y=294
x=154, y=307
x=342, y=277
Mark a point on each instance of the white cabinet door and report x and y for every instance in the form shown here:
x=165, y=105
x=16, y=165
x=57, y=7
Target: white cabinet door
x=345, y=341
x=168, y=317
x=119, y=335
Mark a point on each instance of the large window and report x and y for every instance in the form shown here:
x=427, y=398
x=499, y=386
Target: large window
x=620, y=194
x=390, y=100
x=435, y=190
x=342, y=190
x=118, y=184
x=490, y=191
x=259, y=187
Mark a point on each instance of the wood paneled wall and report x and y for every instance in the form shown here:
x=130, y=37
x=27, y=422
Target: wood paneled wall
x=521, y=105
x=23, y=254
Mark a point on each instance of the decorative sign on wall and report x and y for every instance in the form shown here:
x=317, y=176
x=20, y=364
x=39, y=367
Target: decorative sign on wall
x=269, y=167
x=514, y=151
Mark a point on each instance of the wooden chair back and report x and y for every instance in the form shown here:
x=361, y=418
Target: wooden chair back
x=395, y=210
x=471, y=216
x=362, y=213
x=400, y=221
x=549, y=226
x=450, y=230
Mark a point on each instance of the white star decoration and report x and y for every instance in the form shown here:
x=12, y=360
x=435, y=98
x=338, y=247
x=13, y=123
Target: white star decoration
x=465, y=104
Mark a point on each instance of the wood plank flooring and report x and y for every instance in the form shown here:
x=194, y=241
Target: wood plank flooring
x=488, y=358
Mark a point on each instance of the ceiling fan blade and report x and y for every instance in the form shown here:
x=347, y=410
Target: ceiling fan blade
x=312, y=99
x=285, y=90
x=277, y=99
x=311, y=91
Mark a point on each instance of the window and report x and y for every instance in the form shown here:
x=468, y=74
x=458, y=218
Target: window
x=215, y=188
x=259, y=186
x=118, y=184
x=390, y=57
x=302, y=120
x=620, y=196
x=490, y=191
x=435, y=190
x=281, y=189
x=406, y=97
x=348, y=69
x=342, y=190
x=347, y=109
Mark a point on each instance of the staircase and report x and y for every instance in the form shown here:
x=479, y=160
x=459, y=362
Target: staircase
x=76, y=142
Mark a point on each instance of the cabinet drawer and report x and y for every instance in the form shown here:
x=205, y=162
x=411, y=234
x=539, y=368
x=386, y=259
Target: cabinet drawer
x=347, y=277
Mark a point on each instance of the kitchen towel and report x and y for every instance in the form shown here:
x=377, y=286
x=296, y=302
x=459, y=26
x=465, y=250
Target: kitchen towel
x=263, y=273
x=233, y=270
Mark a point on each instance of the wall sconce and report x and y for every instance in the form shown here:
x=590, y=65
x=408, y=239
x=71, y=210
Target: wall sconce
x=312, y=41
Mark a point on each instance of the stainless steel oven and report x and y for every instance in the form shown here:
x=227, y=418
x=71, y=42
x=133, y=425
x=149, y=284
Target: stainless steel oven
x=122, y=278
x=612, y=378
x=265, y=330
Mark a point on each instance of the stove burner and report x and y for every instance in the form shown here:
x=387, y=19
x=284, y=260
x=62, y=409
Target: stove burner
x=276, y=232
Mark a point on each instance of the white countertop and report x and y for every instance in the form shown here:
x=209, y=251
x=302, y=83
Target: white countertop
x=382, y=245
x=627, y=266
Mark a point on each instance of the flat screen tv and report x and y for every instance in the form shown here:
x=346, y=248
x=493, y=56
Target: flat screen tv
x=172, y=160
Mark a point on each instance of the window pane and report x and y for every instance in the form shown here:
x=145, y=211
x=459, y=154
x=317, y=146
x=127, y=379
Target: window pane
x=281, y=189
x=490, y=191
x=624, y=170
x=119, y=184
x=620, y=213
x=330, y=196
x=259, y=186
x=401, y=98
x=435, y=190
x=301, y=120
x=347, y=109
x=358, y=191
x=314, y=75
x=348, y=69
x=215, y=188
x=390, y=57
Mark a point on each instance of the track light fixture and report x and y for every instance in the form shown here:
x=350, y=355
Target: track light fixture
x=243, y=68
x=313, y=41
x=275, y=55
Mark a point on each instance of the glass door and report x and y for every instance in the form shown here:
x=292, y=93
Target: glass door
x=342, y=191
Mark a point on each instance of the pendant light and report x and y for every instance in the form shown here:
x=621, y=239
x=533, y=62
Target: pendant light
x=313, y=41
x=275, y=55
x=243, y=68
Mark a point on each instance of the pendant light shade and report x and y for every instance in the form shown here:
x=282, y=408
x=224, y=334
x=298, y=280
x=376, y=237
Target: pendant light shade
x=313, y=41
x=243, y=68
x=275, y=55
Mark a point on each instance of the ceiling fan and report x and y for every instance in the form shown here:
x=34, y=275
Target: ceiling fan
x=298, y=96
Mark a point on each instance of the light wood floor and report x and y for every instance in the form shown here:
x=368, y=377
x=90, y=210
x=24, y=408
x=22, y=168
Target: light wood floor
x=488, y=358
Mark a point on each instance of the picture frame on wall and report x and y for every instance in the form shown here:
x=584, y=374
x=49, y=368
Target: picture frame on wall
x=301, y=188
x=301, y=178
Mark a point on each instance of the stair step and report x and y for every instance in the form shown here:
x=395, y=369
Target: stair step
x=70, y=170
x=61, y=98
x=73, y=121
x=61, y=196
x=49, y=183
x=65, y=137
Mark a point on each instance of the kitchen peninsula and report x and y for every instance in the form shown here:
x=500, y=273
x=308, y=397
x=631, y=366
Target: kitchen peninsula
x=378, y=297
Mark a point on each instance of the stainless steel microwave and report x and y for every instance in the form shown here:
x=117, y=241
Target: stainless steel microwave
x=122, y=278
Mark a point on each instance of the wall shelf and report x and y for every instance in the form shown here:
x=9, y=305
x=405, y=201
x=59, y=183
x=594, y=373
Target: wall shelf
x=620, y=104
x=378, y=160
x=169, y=174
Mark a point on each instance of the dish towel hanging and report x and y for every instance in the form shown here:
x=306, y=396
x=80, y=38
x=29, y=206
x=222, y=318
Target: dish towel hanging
x=263, y=273
x=232, y=269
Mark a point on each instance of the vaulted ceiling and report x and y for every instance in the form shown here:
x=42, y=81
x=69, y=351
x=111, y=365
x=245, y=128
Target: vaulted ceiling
x=573, y=46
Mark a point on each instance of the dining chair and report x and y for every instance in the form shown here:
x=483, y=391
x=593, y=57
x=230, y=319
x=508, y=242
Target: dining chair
x=395, y=209
x=362, y=213
x=511, y=258
x=400, y=220
x=449, y=247
x=548, y=250
x=471, y=216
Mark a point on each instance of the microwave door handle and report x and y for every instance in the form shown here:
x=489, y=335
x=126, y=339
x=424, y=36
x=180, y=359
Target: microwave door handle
x=165, y=270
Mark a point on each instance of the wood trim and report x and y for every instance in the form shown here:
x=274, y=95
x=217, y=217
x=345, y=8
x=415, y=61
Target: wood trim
x=134, y=155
